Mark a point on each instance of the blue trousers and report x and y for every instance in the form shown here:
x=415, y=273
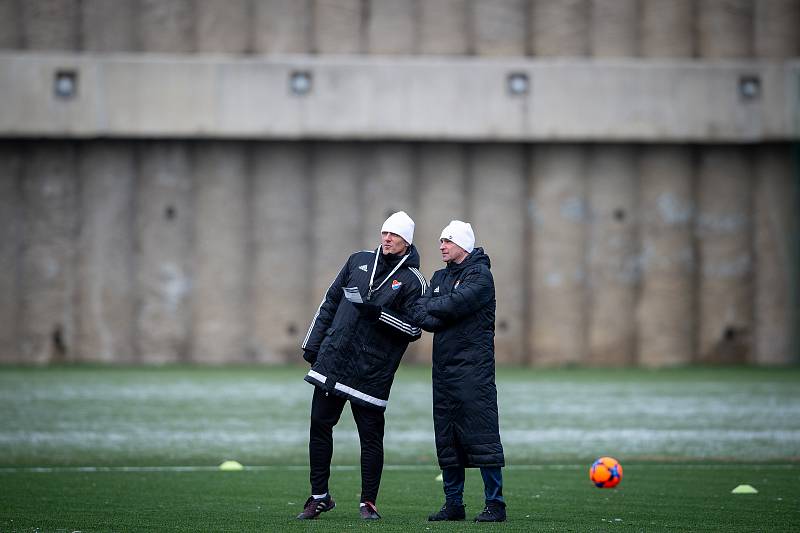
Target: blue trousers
x=454, y=484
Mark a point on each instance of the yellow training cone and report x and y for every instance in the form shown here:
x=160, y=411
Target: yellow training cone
x=744, y=489
x=231, y=466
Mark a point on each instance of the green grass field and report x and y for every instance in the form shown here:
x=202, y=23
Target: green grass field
x=111, y=449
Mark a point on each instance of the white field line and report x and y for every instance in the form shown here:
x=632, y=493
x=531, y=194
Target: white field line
x=279, y=468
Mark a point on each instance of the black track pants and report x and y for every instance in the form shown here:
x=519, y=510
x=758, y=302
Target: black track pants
x=325, y=413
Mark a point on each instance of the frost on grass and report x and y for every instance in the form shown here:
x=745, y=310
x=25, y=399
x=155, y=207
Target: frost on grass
x=113, y=417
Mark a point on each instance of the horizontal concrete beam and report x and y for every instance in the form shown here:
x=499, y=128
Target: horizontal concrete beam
x=368, y=97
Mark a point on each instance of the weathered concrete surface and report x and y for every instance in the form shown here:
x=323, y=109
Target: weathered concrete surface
x=389, y=186
x=219, y=258
x=776, y=247
x=108, y=26
x=497, y=210
x=563, y=28
x=281, y=27
x=337, y=26
x=667, y=28
x=666, y=312
x=724, y=238
x=402, y=99
x=441, y=197
x=166, y=26
x=47, y=285
x=10, y=247
x=558, y=214
x=392, y=27
x=442, y=194
x=613, y=258
x=443, y=27
x=776, y=23
x=223, y=27
x=105, y=287
x=163, y=232
x=499, y=27
x=559, y=29
x=282, y=256
x=724, y=227
x=725, y=28
x=612, y=255
x=50, y=24
x=615, y=28
x=336, y=205
x=10, y=34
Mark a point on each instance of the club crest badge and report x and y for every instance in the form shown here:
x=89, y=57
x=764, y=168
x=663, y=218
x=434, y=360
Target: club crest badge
x=396, y=284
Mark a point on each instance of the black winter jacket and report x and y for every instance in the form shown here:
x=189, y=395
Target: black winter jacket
x=459, y=307
x=355, y=357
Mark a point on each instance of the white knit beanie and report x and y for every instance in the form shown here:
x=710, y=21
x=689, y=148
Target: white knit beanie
x=401, y=224
x=461, y=234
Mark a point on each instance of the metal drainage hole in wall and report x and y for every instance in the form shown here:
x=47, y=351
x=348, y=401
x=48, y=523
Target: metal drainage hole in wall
x=65, y=84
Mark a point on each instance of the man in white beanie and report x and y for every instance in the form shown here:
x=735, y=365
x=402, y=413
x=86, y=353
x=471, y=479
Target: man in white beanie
x=459, y=308
x=354, y=344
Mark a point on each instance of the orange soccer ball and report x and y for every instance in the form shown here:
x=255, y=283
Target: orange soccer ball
x=606, y=473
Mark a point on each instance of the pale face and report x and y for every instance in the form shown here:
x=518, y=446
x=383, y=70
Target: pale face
x=451, y=252
x=392, y=243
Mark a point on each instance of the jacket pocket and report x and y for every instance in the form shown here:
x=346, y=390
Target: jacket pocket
x=374, y=365
x=374, y=352
x=329, y=340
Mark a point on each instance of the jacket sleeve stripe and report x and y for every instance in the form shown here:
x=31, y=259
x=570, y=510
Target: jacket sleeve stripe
x=421, y=279
x=399, y=324
x=311, y=327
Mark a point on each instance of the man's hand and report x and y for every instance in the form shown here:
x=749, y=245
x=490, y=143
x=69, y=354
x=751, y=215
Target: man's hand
x=369, y=312
x=310, y=356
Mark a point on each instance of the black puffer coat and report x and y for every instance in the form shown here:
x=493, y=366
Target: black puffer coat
x=355, y=357
x=459, y=307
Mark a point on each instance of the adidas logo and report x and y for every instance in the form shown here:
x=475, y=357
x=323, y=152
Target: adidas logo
x=436, y=290
x=363, y=267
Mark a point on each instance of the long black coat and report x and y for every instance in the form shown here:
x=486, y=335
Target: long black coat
x=354, y=357
x=459, y=307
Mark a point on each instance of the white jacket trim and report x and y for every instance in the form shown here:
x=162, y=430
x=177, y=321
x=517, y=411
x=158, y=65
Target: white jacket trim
x=399, y=324
x=350, y=391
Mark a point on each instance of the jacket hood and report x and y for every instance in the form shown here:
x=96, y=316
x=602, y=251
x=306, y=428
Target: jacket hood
x=477, y=257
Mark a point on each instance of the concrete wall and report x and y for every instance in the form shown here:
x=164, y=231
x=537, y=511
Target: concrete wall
x=220, y=259
x=11, y=239
x=47, y=281
x=567, y=28
x=105, y=277
x=654, y=249
x=163, y=225
x=281, y=253
x=213, y=252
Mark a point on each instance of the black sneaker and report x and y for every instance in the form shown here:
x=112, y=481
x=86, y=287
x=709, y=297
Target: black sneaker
x=315, y=507
x=493, y=512
x=449, y=511
x=368, y=511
